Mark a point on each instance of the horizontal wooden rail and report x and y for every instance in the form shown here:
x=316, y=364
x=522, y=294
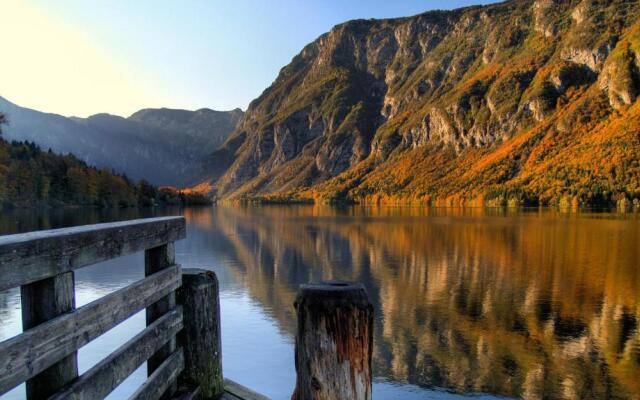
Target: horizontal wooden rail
x=105, y=376
x=29, y=353
x=235, y=391
x=30, y=257
x=165, y=375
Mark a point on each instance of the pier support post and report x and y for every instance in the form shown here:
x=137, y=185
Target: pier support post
x=156, y=259
x=41, y=301
x=333, y=342
x=200, y=337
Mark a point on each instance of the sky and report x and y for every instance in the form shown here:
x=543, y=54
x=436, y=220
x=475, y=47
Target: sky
x=79, y=58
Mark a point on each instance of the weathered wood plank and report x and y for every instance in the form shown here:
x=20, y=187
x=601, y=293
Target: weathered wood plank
x=161, y=379
x=105, y=376
x=29, y=257
x=230, y=396
x=233, y=391
x=241, y=392
x=29, y=353
x=186, y=393
x=158, y=259
x=334, y=342
x=201, y=337
x=42, y=301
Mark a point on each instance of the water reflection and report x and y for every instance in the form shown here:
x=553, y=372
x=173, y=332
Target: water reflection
x=532, y=304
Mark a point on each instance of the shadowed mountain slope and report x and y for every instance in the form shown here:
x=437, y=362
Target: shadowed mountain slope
x=163, y=146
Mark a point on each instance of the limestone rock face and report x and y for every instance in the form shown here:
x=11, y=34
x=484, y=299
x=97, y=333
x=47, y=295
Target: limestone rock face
x=580, y=13
x=472, y=78
x=545, y=17
x=591, y=58
x=620, y=78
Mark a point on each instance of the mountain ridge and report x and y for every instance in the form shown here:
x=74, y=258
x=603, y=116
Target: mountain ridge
x=138, y=145
x=497, y=95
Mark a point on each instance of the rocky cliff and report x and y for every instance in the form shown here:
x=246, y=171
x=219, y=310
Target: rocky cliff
x=522, y=101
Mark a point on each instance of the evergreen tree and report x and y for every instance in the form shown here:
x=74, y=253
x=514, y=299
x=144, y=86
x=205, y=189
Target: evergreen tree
x=3, y=120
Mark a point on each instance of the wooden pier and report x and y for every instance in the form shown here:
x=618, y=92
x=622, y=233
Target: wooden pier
x=181, y=342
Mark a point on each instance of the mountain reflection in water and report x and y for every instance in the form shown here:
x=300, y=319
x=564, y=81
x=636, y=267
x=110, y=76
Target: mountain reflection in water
x=536, y=304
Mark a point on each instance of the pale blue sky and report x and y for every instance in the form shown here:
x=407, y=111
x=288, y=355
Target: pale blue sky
x=95, y=56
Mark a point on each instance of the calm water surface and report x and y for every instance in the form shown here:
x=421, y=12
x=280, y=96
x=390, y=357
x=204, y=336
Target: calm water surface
x=531, y=304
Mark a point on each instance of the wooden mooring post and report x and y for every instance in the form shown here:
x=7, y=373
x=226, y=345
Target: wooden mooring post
x=200, y=337
x=334, y=342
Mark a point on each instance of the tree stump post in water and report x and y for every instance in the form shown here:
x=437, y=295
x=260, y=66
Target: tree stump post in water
x=333, y=342
x=200, y=337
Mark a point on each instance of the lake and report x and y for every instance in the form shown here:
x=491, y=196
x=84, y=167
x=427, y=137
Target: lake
x=511, y=303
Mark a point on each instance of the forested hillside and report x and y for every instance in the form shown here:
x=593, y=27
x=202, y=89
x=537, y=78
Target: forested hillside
x=32, y=177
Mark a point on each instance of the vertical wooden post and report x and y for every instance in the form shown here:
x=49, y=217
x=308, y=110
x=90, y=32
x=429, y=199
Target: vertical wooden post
x=200, y=337
x=333, y=342
x=42, y=301
x=157, y=259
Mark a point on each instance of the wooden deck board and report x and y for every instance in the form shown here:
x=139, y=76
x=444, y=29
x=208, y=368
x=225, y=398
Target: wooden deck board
x=232, y=391
x=235, y=391
x=230, y=396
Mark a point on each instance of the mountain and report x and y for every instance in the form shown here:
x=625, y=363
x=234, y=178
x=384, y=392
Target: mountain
x=163, y=146
x=202, y=131
x=521, y=102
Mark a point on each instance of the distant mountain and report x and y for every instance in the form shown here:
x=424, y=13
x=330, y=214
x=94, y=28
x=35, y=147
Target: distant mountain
x=202, y=131
x=163, y=146
x=517, y=102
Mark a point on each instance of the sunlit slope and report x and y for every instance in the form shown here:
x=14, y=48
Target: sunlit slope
x=522, y=101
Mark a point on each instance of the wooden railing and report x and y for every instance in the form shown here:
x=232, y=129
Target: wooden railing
x=181, y=342
x=45, y=354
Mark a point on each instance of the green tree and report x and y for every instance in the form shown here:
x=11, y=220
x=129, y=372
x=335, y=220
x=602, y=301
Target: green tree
x=146, y=193
x=45, y=187
x=3, y=120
